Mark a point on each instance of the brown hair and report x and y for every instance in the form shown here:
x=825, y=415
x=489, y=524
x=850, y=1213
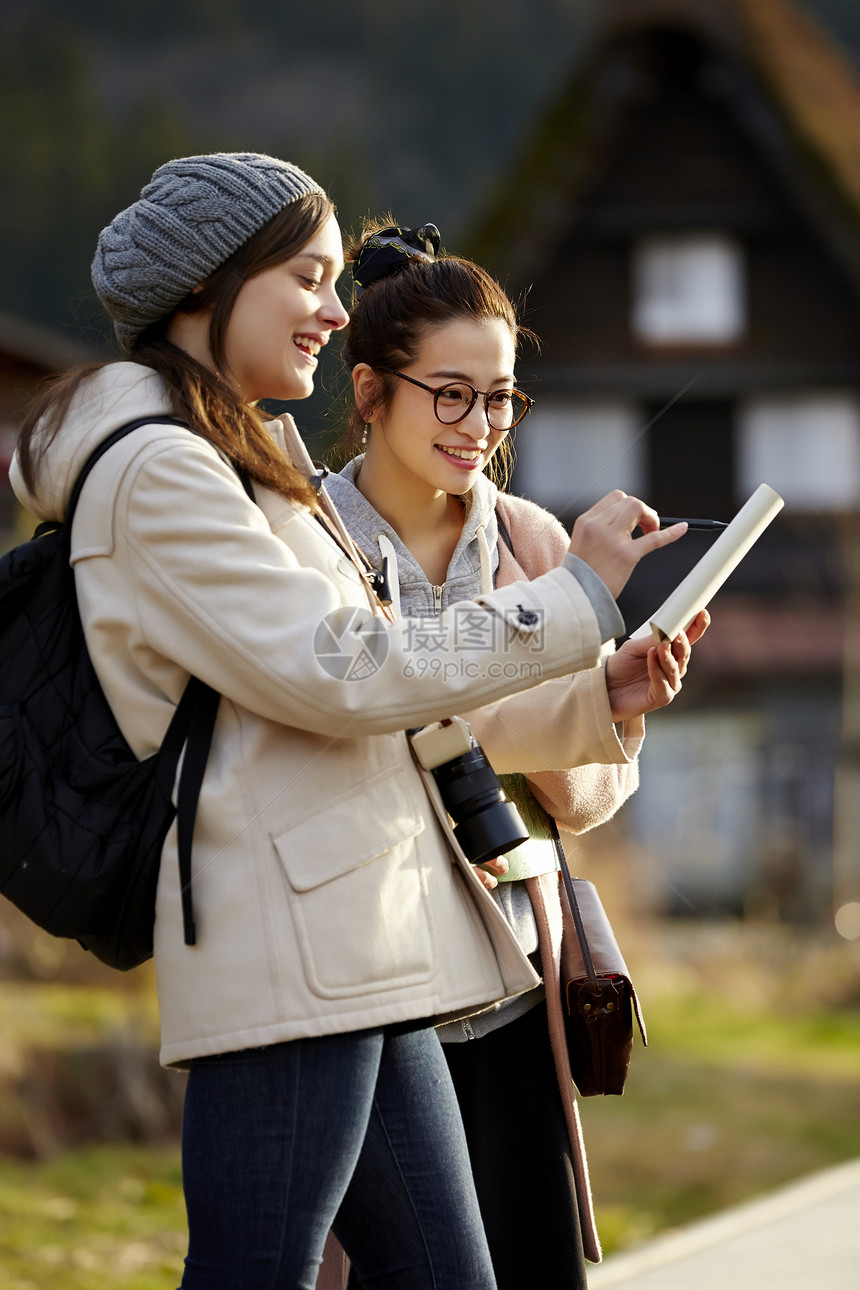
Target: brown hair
x=205, y=400
x=393, y=314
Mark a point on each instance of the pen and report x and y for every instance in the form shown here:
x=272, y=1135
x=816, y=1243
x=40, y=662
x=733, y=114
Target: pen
x=666, y=521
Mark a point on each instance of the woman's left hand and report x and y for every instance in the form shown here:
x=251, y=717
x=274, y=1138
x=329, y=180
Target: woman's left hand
x=489, y=868
x=642, y=676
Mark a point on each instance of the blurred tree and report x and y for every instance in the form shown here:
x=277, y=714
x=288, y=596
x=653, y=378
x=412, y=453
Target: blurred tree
x=66, y=167
x=388, y=107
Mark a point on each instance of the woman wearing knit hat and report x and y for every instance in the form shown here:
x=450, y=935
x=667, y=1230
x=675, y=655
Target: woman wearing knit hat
x=336, y=916
x=432, y=347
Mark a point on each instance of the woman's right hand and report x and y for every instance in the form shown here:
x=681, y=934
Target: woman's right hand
x=603, y=537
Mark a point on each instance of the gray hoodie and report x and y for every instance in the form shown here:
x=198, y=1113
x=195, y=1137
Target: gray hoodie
x=417, y=596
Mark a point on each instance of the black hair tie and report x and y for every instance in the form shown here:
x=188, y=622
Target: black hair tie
x=390, y=248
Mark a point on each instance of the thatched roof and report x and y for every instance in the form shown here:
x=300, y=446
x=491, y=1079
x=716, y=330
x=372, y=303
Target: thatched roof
x=810, y=78
x=812, y=95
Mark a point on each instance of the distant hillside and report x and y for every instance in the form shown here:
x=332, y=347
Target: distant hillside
x=408, y=107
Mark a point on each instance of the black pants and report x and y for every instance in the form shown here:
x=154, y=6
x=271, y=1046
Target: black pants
x=511, y=1106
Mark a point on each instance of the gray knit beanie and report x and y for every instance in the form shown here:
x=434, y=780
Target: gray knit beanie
x=191, y=217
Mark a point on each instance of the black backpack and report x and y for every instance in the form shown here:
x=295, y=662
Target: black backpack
x=82, y=821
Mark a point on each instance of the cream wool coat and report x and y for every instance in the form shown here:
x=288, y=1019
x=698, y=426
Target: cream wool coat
x=328, y=896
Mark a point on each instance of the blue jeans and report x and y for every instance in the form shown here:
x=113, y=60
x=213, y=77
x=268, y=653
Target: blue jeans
x=360, y=1132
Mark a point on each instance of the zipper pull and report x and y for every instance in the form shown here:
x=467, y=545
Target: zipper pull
x=437, y=598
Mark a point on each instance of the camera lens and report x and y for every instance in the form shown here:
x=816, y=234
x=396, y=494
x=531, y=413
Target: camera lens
x=485, y=825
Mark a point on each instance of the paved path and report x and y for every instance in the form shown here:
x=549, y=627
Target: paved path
x=806, y=1236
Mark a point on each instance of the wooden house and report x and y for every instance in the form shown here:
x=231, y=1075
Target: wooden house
x=28, y=353
x=684, y=228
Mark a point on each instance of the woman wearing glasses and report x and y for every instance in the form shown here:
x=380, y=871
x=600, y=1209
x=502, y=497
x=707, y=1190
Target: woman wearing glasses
x=432, y=345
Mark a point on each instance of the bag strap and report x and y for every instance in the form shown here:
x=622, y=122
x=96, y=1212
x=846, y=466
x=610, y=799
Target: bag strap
x=504, y=533
x=584, y=948
x=587, y=960
x=193, y=721
x=576, y=913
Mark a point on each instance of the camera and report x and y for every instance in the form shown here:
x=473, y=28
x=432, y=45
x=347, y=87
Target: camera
x=486, y=824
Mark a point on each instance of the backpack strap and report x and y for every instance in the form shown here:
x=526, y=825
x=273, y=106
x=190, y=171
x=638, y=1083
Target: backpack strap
x=197, y=709
x=99, y=452
x=193, y=720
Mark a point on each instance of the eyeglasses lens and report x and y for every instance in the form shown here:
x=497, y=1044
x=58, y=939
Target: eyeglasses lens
x=504, y=407
x=453, y=403
x=514, y=411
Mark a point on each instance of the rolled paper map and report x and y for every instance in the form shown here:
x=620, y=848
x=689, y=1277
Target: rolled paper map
x=705, y=578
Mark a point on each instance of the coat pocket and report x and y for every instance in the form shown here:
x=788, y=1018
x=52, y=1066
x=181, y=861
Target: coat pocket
x=357, y=892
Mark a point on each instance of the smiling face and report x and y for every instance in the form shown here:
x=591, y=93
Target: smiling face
x=283, y=316
x=408, y=446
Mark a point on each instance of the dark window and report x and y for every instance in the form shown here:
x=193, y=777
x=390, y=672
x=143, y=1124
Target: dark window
x=691, y=460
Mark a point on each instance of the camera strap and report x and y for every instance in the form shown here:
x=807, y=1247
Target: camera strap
x=328, y=517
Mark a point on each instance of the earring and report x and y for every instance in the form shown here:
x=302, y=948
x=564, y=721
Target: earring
x=366, y=433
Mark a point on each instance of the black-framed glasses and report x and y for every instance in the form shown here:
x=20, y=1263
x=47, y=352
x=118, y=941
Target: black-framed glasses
x=453, y=402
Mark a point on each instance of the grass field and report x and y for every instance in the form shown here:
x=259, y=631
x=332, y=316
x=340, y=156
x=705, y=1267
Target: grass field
x=691, y=1135
x=108, y=1216
x=751, y=1079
